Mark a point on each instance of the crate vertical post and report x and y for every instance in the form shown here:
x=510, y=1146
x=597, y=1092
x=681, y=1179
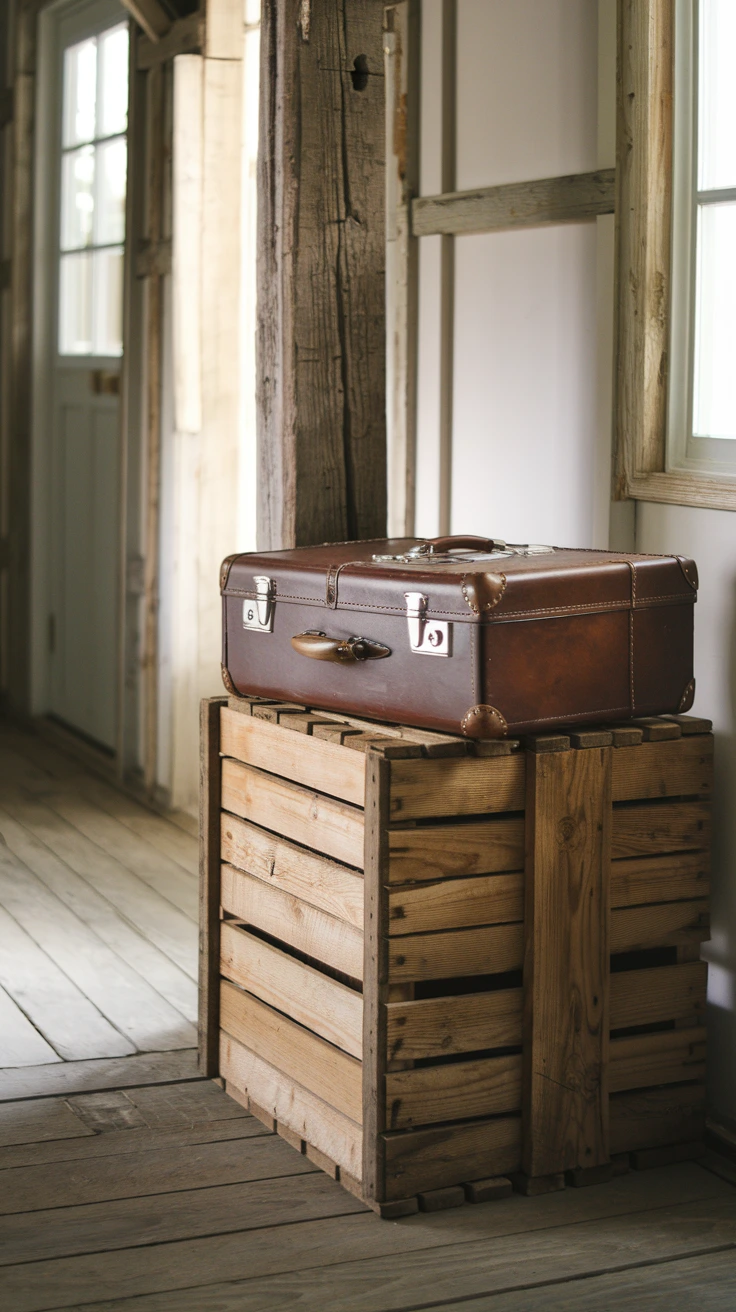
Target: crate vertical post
x=375, y=971
x=209, y=884
x=566, y=962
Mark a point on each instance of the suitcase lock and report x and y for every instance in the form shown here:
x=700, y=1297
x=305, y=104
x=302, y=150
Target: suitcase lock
x=258, y=614
x=426, y=637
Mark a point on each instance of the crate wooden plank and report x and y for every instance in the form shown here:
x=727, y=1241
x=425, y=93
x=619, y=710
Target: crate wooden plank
x=297, y=813
x=642, y=1060
x=376, y=971
x=450, y=1154
x=452, y=953
x=294, y=922
x=668, y=924
x=683, y=768
x=457, y=903
x=439, y=1027
x=454, y=1091
x=659, y=828
x=566, y=961
x=660, y=878
x=651, y=1117
x=322, y=1004
x=323, y=883
x=454, y=851
x=315, y=1064
x=691, y=723
x=658, y=993
x=209, y=880
x=457, y=787
x=292, y=1105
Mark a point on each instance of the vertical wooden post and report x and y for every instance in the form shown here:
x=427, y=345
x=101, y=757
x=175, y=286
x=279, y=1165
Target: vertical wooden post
x=402, y=64
x=321, y=262
x=566, y=961
x=375, y=972
x=209, y=884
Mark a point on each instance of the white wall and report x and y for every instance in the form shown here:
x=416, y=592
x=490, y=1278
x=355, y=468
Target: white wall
x=526, y=461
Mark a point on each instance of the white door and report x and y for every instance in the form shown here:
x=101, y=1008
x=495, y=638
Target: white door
x=86, y=246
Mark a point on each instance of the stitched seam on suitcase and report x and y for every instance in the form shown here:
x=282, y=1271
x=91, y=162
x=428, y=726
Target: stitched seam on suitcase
x=564, y=717
x=590, y=607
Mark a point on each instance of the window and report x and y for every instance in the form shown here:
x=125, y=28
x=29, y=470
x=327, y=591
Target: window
x=675, y=392
x=702, y=400
x=93, y=182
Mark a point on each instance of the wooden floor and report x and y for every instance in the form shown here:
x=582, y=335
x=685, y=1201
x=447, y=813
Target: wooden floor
x=98, y=919
x=171, y=1198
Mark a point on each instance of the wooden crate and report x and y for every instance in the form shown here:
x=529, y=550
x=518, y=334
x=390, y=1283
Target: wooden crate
x=429, y=964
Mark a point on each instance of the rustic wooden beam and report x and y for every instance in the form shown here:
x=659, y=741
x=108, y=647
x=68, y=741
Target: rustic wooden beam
x=151, y=16
x=184, y=37
x=516, y=205
x=401, y=49
x=643, y=236
x=321, y=261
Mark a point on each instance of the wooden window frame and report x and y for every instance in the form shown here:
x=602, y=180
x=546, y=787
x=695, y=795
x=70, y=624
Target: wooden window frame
x=644, y=178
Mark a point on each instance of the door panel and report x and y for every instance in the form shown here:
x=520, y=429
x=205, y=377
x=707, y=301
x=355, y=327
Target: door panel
x=87, y=235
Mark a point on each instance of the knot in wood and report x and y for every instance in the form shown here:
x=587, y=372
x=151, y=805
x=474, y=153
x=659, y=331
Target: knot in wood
x=570, y=833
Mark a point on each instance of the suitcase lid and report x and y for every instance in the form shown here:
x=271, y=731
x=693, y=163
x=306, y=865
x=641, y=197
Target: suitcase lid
x=463, y=579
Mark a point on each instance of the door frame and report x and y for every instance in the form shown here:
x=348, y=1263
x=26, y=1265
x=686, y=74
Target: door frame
x=45, y=186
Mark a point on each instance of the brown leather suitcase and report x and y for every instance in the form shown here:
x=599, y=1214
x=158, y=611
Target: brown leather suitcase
x=465, y=635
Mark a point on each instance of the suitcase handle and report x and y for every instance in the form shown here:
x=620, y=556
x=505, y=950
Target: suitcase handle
x=342, y=651
x=435, y=546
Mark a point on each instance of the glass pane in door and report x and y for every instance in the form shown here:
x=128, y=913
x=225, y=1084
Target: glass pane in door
x=92, y=194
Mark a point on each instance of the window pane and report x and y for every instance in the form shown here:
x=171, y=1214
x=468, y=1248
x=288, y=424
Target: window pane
x=108, y=302
x=80, y=81
x=75, y=305
x=714, y=398
x=77, y=197
x=113, y=86
x=717, y=95
x=110, y=214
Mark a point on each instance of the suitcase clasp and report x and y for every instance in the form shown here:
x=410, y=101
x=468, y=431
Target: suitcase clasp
x=258, y=614
x=426, y=637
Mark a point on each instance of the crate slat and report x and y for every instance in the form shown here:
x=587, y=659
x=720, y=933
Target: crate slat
x=483, y=900
x=320, y=1003
x=323, y=883
x=452, y=1092
x=291, y=1105
x=567, y=960
x=467, y=786
x=454, y=953
x=440, y=1156
x=649, y=1118
x=642, y=1060
x=660, y=878
x=294, y=922
x=304, y=816
x=454, y=851
x=656, y=829
x=312, y=1062
x=666, y=769
x=659, y=993
x=296, y=756
x=669, y=924
x=439, y=1027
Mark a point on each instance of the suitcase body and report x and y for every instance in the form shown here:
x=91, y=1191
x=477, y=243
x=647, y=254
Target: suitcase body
x=463, y=635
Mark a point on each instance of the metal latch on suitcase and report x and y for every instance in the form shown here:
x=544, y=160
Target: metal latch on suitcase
x=426, y=637
x=258, y=614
